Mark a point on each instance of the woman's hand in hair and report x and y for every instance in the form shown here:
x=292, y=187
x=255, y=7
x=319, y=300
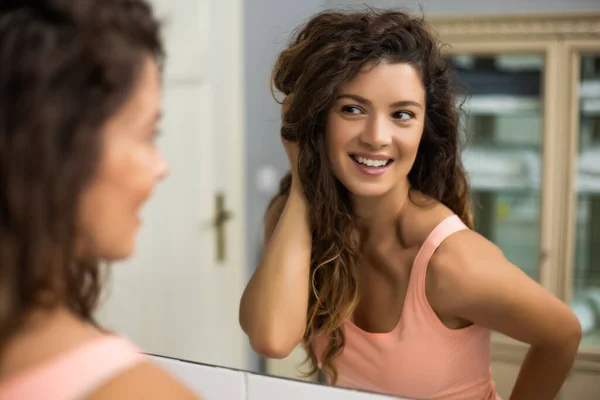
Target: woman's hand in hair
x=292, y=149
x=274, y=305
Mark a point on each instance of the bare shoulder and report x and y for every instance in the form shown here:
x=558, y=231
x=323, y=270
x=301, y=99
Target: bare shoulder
x=460, y=270
x=464, y=246
x=144, y=381
x=459, y=256
x=272, y=215
x=469, y=277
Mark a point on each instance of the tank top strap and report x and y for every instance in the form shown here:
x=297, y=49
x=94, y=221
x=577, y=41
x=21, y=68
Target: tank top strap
x=77, y=374
x=441, y=232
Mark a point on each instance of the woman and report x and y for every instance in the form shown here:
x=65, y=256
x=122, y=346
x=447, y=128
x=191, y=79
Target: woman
x=370, y=259
x=79, y=103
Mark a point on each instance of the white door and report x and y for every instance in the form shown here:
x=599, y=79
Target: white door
x=174, y=297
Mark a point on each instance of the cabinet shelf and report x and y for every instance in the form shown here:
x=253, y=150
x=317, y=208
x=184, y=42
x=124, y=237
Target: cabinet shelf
x=502, y=105
x=506, y=104
x=495, y=170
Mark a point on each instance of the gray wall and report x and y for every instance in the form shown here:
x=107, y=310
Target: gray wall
x=268, y=25
x=268, y=28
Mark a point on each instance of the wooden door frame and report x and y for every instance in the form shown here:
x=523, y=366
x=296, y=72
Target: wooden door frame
x=573, y=50
x=234, y=130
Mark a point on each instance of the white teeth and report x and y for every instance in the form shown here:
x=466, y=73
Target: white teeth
x=371, y=163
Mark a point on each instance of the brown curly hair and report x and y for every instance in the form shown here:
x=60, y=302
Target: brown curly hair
x=67, y=66
x=328, y=51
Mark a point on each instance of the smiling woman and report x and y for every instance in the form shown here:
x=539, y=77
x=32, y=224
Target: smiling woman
x=370, y=259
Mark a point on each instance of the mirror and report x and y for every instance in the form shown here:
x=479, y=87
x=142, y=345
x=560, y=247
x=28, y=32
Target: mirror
x=202, y=237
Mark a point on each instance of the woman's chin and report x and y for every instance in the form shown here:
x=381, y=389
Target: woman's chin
x=361, y=189
x=118, y=251
x=123, y=252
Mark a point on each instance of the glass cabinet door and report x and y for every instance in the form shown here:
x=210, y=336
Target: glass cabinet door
x=503, y=153
x=585, y=299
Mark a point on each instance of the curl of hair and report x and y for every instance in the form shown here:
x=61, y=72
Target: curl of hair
x=327, y=52
x=67, y=66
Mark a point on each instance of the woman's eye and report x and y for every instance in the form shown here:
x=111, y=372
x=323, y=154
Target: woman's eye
x=403, y=115
x=351, y=110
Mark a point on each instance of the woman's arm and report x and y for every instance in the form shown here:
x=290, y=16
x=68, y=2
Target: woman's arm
x=274, y=304
x=469, y=277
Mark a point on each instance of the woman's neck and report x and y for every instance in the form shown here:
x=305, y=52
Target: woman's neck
x=377, y=216
x=44, y=335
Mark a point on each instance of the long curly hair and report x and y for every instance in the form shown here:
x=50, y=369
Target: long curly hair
x=328, y=51
x=67, y=66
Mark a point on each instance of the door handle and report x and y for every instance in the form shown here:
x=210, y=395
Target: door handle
x=222, y=215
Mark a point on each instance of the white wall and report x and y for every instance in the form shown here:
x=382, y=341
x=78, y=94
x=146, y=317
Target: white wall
x=227, y=384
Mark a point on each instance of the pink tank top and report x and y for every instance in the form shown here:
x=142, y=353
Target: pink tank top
x=420, y=358
x=74, y=375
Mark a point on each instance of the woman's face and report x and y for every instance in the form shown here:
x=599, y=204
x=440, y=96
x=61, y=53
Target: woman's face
x=130, y=166
x=374, y=128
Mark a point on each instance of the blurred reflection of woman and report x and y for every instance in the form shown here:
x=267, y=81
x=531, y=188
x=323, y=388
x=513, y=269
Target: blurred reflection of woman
x=370, y=257
x=79, y=103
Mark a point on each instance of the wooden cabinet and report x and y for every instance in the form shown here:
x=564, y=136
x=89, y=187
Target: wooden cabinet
x=581, y=385
x=533, y=158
